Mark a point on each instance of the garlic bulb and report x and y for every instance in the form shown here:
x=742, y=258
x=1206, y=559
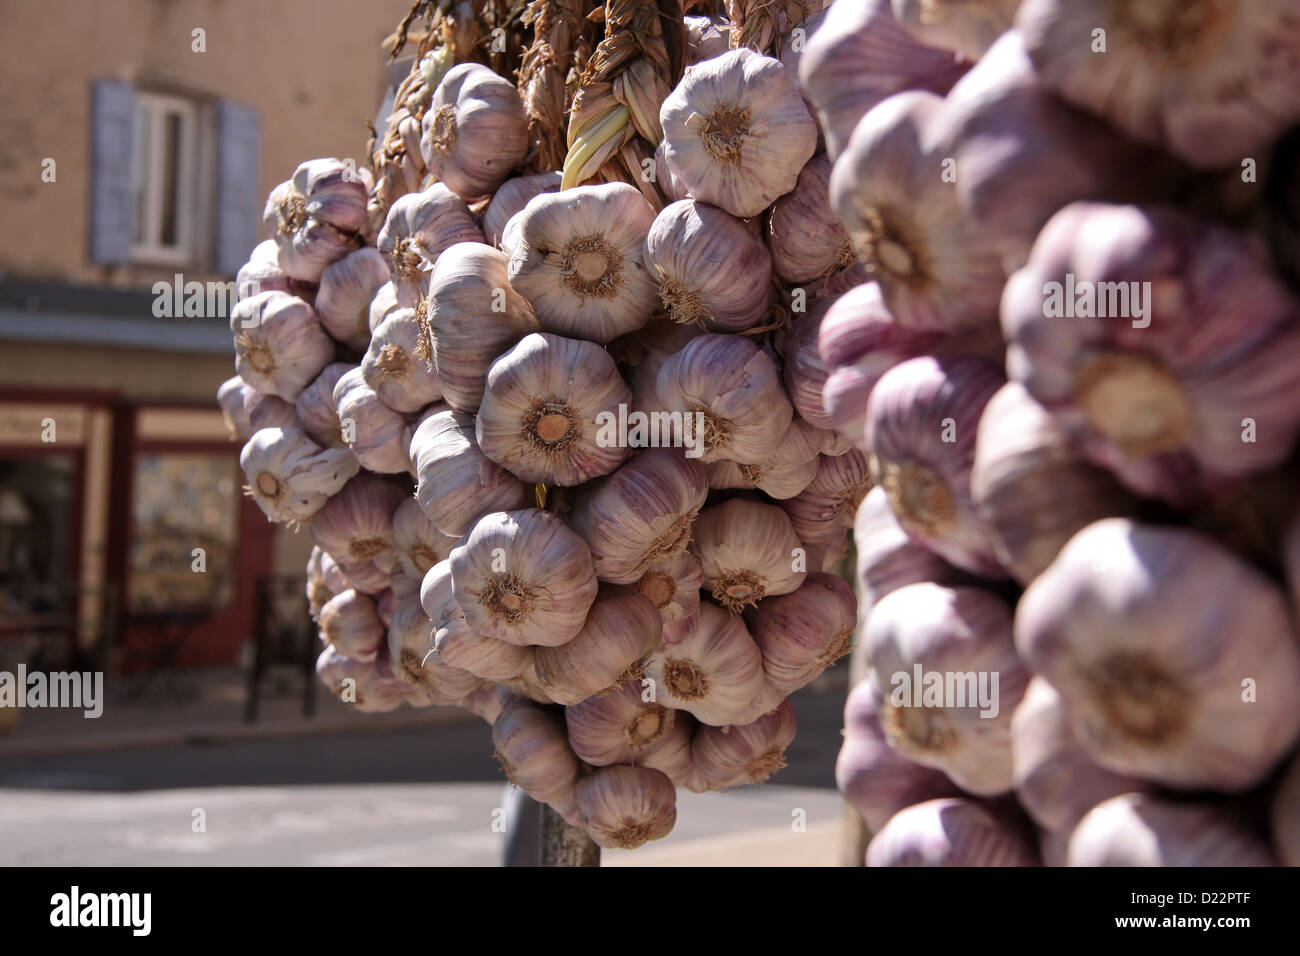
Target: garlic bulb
x=968, y=26
x=485, y=702
x=361, y=684
x=888, y=557
x=1031, y=487
x=788, y=470
x=805, y=373
x=874, y=778
x=320, y=585
x=456, y=483
x=945, y=680
x=954, y=831
x=512, y=196
x=802, y=633
x=672, y=754
x=745, y=753
x=269, y=411
x=410, y=639
x=622, y=628
x=534, y=751
x=1148, y=355
x=382, y=304
x=262, y=273
x=472, y=316
x=349, y=623
x=1285, y=816
x=673, y=585
x=641, y=354
x=457, y=645
x=1138, y=829
x=706, y=37
x=1174, y=659
x=316, y=217
x=315, y=408
x=748, y=551
x=711, y=269
x=641, y=514
x=666, y=178
x=577, y=258
x=419, y=545
x=474, y=131
x=377, y=435
x=290, y=476
x=736, y=131
x=806, y=239
x=1174, y=75
x=523, y=577
x=903, y=217
x=625, y=807
x=732, y=392
x=279, y=343
x=544, y=410
x=921, y=426
x=403, y=381
x=618, y=727
x=824, y=510
x=231, y=396
x=357, y=523
x=419, y=227
x=367, y=576
x=346, y=289
x=715, y=672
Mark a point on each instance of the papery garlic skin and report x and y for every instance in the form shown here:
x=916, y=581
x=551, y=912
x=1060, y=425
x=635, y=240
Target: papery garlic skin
x=534, y=751
x=269, y=411
x=511, y=197
x=950, y=832
x=1139, y=829
x=968, y=26
x=824, y=510
x=745, y=753
x=419, y=228
x=316, y=217
x=393, y=368
x=346, y=290
x=290, y=476
x=577, y=258
x=802, y=633
x=262, y=273
x=418, y=543
x=672, y=754
x=622, y=628
x=706, y=37
x=715, y=672
x=961, y=636
x=888, y=558
x=456, y=643
x=279, y=343
x=625, y=807
x=1147, y=634
x=748, y=551
x=618, y=727
x=356, y=525
x=382, y=304
x=523, y=577
x=350, y=624
x=230, y=398
x=673, y=585
x=736, y=131
x=410, y=639
x=456, y=484
x=544, y=410
x=474, y=131
x=315, y=409
x=377, y=435
x=361, y=684
x=807, y=241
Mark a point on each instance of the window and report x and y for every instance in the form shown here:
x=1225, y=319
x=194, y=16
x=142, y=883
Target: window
x=164, y=178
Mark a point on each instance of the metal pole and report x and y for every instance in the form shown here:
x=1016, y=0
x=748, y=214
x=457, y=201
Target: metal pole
x=563, y=845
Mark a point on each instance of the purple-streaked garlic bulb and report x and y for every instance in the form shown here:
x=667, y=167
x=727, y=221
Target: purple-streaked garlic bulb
x=643, y=353
x=485, y=703
x=350, y=624
x=527, y=684
x=382, y=304
x=706, y=37
x=456, y=484
x=474, y=131
x=744, y=753
x=419, y=228
x=457, y=645
x=673, y=585
x=361, y=684
x=618, y=727
x=471, y=316
x=736, y=131
x=357, y=523
x=1285, y=816
x=1211, y=81
x=806, y=239
x=953, y=831
x=1139, y=829
x=748, y=551
x=1176, y=661
x=872, y=776
x=1031, y=487
x=367, y=577
x=279, y=343
x=625, y=807
x=715, y=672
x=578, y=259
x=391, y=367
x=824, y=510
x=945, y=680
x=785, y=473
x=315, y=408
x=889, y=190
x=418, y=543
x=670, y=184
x=1160, y=342
x=729, y=392
x=533, y=750
x=672, y=754
x=888, y=558
x=802, y=633
x=269, y=411
x=377, y=435
x=512, y=196
x=324, y=580
x=1056, y=781
x=410, y=639
x=231, y=398
x=622, y=628
x=262, y=273
x=549, y=409
x=346, y=290
x=712, y=271
x=968, y=26
x=524, y=577
x=859, y=56
x=290, y=476
x=641, y=514
x=922, y=421
x=805, y=373
x=316, y=217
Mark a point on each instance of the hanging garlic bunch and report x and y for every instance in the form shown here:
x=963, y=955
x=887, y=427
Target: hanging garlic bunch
x=625, y=807
x=806, y=239
x=641, y=514
x=350, y=624
x=474, y=131
x=745, y=753
x=290, y=476
x=619, y=727
x=784, y=474
x=711, y=269
x=456, y=644
x=511, y=198
x=523, y=577
x=951, y=832
x=419, y=228
x=673, y=585
x=346, y=290
x=621, y=629
x=377, y=435
x=748, y=551
x=316, y=217
x=391, y=367
x=1139, y=829
x=802, y=633
x=715, y=672
x=357, y=523
x=577, y=258
x=737, y=132
x=544, y=411
x=279, y=343
x=315, y=408
x=534, y=752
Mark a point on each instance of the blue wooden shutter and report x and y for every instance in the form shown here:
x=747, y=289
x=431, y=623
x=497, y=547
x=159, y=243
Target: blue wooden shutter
x=239, y=200
x=112, y=193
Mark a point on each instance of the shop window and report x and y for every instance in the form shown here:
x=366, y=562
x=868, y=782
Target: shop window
x=36, y=515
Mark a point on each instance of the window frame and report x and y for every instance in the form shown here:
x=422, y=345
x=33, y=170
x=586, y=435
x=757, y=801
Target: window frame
x=154, y=108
